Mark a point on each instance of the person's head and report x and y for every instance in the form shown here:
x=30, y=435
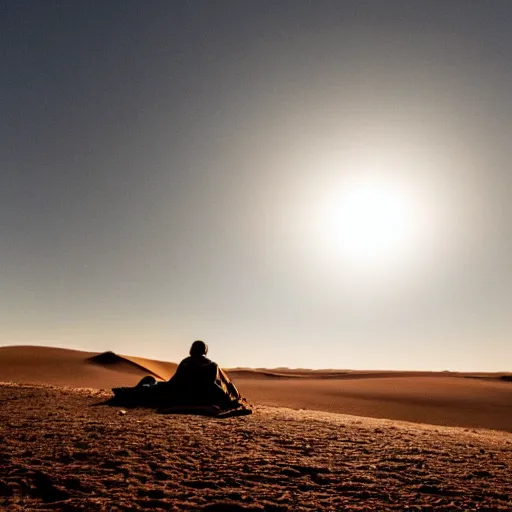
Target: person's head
x=198, y=348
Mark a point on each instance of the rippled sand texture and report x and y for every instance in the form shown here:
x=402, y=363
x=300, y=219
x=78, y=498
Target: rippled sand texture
x=60, y=452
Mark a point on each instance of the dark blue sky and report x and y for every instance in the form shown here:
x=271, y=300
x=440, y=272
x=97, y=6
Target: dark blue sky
x=163, y=166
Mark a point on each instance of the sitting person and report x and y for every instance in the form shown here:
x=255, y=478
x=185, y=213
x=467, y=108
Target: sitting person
x=197, y=382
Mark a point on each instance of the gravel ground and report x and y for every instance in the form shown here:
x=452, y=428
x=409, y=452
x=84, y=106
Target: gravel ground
x=62, y=451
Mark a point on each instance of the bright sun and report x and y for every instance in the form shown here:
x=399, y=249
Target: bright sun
x=372, y=223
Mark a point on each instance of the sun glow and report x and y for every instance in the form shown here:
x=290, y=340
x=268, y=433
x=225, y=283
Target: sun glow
x=373, y=224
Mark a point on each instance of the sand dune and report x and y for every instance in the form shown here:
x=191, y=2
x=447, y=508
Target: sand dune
x=46, y=365
x=426, y=397
x=159, y=369
x=292, y=373
x=437, y=400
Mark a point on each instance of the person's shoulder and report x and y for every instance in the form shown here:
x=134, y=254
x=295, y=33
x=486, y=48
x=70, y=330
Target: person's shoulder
x=185, y=361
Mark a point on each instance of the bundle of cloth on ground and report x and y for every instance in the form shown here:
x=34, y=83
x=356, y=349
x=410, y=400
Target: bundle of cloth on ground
x=199, y=386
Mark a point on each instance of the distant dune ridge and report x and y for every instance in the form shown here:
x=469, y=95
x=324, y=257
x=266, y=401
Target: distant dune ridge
x=65, y=367
x=443, y=398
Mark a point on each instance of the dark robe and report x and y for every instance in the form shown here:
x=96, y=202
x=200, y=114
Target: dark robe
x=198, y=381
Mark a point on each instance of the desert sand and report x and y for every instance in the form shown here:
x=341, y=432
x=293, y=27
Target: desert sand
x=331, y=440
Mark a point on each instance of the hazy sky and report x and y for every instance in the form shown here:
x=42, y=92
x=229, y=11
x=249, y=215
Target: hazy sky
x=298, y=183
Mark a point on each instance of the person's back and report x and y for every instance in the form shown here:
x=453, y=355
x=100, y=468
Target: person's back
x=193, y=365
x=199, y=380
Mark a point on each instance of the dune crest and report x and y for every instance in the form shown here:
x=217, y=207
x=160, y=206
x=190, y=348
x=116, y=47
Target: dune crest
x=111, y=360
x=66, y=367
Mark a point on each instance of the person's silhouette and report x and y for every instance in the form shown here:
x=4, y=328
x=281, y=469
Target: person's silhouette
x=199, y=380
